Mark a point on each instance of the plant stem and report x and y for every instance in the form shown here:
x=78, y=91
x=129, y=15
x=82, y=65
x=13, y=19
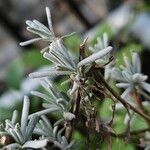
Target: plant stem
x=99, y=78
x=76, y=96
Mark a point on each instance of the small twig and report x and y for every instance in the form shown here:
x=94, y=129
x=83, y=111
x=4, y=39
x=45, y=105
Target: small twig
x=113, y=114
x=128, y=126
x=82, y=50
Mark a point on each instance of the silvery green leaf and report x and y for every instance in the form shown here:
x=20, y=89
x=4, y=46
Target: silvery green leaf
x=94, y=57
x=33, y=25
x=58, y=47
x=31, y=125
x=145, y=86
x=61, y=121
x=43, y=112
x=59, y=133
x=101, y=43
x=127, y=76
x=62, y=102
x=68, y=116
x=126, y=93
x=49, y=57
x=123, y=85
x=18, y=132
x=136, y=62
x=137, y=77
x=14, y=116
x=55, y=92
x=49, y=87
x=60, y=53
x=105, y=40
x=43, y=96
x=36, y=144
x=47, y=122
x=25, y=112
x=14, y=135
x=44, y=127
x=48, y=14
x=68, y=35
x=39, y=131
x=12, y=146
x=41, y=26
x=58, y=58
x=30, y=41
x=44, y=50
x=130, y=76
x=9, y=124
x=117, y=74
x=64, y=140
x=39, y=29
x=49, y=73
x=64, y=68
x=55, y=130
x=127, y=63
x=43, y=35
x=48, y=105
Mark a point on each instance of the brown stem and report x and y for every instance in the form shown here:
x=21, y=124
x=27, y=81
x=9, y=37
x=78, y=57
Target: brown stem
x=138, y=101
x=139, y=105
x=76, y=97
x=68, y=131
x=99, y=78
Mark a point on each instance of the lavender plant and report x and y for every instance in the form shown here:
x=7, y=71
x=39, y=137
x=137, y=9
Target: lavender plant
x=78, y=108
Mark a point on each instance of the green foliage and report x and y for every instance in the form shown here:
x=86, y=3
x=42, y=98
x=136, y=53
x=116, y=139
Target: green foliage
x=33, y=59
x=15, y=73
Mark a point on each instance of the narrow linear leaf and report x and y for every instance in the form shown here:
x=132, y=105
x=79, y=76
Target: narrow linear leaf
x=43, y=112
x=49, y=73
x=30, y=41
x=94, y=56
x=35, y=144
x=31, y=125
x=25, y=113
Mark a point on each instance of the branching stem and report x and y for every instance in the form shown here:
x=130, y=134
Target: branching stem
x=99, y=78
